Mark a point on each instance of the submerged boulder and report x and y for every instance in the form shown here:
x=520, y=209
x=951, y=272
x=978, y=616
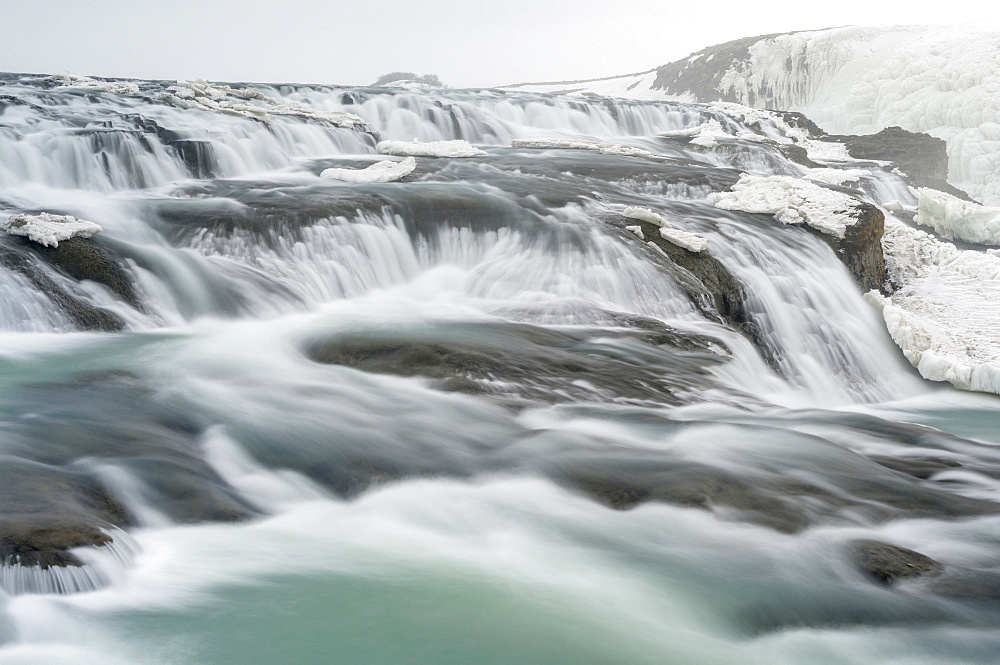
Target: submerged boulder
x=45, y=511
x=889, y=563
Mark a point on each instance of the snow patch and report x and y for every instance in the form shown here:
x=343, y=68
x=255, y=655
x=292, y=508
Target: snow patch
x=954, y=218
x=456, y=148
x=378, y=172
x=48, y=229
x=689, y=241
x=792, y=201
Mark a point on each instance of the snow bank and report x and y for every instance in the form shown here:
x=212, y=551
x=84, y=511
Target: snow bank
x=456, y=148
x=95, y=85
x=604, y=147
x=49, y=230
x=946, y=312
x=688, y=241
x=954, y=218
x=250, y=103
x=791, y=200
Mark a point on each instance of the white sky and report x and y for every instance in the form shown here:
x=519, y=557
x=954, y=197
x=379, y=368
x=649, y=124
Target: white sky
x=473, y=43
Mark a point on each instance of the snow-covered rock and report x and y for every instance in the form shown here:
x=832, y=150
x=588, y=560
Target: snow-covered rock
x=954, y=218
x=456, y=148
x=250, y=103
x=93, y=85
x=706, y=134
x=689, y=241
x=385, y=171
x=791, y=201
x=48, y=229
x=604, y=147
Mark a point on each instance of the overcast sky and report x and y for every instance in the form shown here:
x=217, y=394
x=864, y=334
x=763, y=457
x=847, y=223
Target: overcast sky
x=472, y=43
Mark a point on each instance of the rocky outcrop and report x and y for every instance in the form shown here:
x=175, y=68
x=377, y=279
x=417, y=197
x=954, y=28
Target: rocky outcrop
x=922, y=157
x=81, y=313
x=45, y=511
x=710, y=287
x=701, y=73
x=83, y=258
x=860, y=250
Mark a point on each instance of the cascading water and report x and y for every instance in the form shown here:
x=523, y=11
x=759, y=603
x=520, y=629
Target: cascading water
x=464, y=417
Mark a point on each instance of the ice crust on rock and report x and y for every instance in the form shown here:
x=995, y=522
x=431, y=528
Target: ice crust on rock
x=95, y=85
x=954, y=218
x=385, y=171
x=249, y=103
x=689, y=241
x=706, y=135
x=946, y=312
x=48, y=229
x=455, y=148
x=791, y=200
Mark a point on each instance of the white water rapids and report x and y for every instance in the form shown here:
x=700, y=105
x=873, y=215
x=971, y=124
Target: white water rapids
x=465, y=417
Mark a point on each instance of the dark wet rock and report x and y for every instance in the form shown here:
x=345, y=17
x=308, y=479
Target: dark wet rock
x=522, y=362
x=922, y=157
x=860, y=250
x=188, y=491
x=921, y=468
x=81, y=312
x=198, y=157
x=85, y=258
x=52, y=499
x=624, y=486
x=709, y=286
x=45, y=511
x=890, y=563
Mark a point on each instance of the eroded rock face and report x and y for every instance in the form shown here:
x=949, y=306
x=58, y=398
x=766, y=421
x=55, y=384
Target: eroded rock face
x=83, y=314
x=711, y=288
x=860, y=250
x=890, y=563
x=920, y=156
x=82, y=258
x=46, y=510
